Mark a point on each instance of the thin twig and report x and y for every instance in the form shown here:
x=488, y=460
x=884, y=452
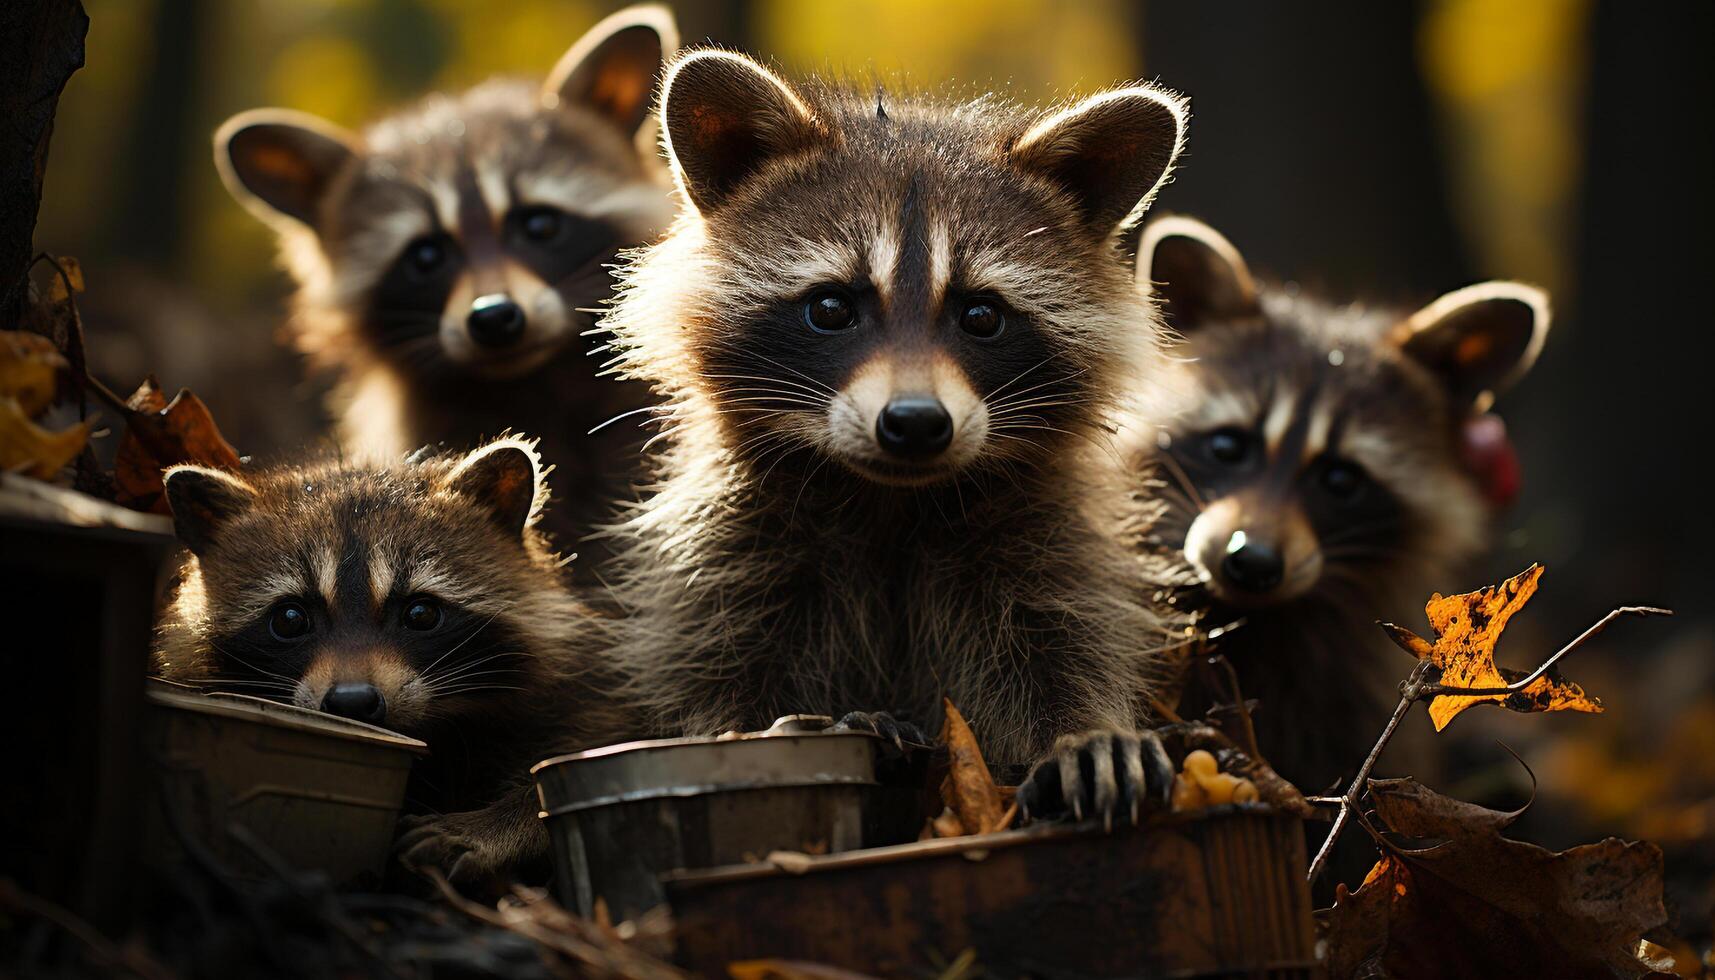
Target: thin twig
x=1409, y=692
x=1440, y=690
x=1239, y=704
x=1415, y=689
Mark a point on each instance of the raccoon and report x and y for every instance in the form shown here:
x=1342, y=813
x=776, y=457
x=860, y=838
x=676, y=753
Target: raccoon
x=417, y=596
x=888, y=332
x=1323, y=466
x=446, y=256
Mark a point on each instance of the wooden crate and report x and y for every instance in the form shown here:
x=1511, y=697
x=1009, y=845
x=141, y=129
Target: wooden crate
x=1220, y=895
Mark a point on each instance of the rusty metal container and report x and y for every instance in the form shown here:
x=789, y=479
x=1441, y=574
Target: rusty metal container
x=620, y=816
x=1217, y=895
x=321, y=792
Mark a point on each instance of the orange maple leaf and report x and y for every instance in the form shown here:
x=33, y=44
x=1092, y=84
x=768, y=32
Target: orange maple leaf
x=1467, y=627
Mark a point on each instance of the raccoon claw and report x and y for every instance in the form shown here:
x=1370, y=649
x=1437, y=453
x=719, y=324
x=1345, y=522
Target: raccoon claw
x=458, y=847
x=1105, y=774
x=902, y=735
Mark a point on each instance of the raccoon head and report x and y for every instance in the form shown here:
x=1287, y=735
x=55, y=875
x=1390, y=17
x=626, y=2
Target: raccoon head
x=405, y=596
x=910, y=288
x=468, y=232
x=1316, y=449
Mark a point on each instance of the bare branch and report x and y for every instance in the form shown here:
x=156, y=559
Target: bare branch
x=1415, y=689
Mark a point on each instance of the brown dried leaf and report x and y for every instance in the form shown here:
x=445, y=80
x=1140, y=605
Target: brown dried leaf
x=30, y=370
x=1470, y=902
x=1467, y=628
x=27, y=448
x=159, y=434
x=968, y=789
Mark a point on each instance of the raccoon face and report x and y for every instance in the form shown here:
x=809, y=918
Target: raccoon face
x=394, y=597
x=467, y=233
x=1319, y=450
x=909, y=290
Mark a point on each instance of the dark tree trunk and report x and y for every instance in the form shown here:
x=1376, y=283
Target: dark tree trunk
x=41, y=44
x=1312, y=144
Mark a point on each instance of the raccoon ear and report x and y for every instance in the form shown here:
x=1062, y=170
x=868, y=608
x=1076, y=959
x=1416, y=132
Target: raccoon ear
x=612, y=68
x=507, y=478
x=279, y=162
x=723, y=116
x=1479, y=339
x=1111, y=151
x=1195, y=272
x=204, y=500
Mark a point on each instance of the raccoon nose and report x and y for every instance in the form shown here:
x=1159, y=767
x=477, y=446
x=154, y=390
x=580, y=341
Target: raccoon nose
x=359, y=702
x=495, y=321
x=914, y=428
x=1252, y=566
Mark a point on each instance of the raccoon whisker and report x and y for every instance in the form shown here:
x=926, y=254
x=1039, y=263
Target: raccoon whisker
x=792, y=514
x=1031, y=406
x=1020, y=374
x=1015, y=396
x=449, y=685
x=777, y=399
x=266, y=673
x=464, y=669
x=469, y=671
x=820, y=385
x=429, y=670
x=647, y=409
x=1178, y=473
x=479, y=687
x=1356, y=531
x=763, y=379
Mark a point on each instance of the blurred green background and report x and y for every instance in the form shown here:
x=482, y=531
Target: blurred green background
x=1385, y=150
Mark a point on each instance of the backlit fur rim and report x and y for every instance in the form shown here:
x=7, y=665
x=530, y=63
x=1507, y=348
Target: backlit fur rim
x=270, y=116
x=1181, y=226
x=792, y=99
x=1177, y=105
x=1498, y=289
x=523, y=443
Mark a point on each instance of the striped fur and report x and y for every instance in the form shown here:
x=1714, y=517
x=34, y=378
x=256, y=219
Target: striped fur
x=1306, y=386
x=784, y=562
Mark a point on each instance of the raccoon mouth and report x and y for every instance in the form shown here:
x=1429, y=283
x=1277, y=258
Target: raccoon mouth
x=508, y=364
x=895, y=474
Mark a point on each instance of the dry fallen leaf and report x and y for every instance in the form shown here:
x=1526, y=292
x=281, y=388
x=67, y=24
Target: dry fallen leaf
x=1454, y=898
x=159, y=434
x=1467, y=627
x=968, y=789
x=30, y=370
x=27, y=448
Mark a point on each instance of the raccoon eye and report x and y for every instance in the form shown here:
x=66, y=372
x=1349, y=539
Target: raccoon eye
x=829, y=312
x=421, y=614
x=541, y=225
x=1342, y=479
x=1229, y=446
x=983, y=319
x=289, y=621
x=426, y=256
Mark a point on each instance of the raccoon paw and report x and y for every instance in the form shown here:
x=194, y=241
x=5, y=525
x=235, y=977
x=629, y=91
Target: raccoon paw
x=477, y=852
x=1103, y=773
x=902, y=735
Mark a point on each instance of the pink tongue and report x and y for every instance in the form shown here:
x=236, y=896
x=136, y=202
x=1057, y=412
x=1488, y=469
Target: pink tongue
x=1490, y=458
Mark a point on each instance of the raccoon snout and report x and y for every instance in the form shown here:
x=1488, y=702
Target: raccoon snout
x=914, y=428
x=1252, y=566
x=495, y=321
x=359, y=702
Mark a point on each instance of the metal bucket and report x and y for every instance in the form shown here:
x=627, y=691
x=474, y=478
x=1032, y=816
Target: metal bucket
x=320, y=792
x=620, y=816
